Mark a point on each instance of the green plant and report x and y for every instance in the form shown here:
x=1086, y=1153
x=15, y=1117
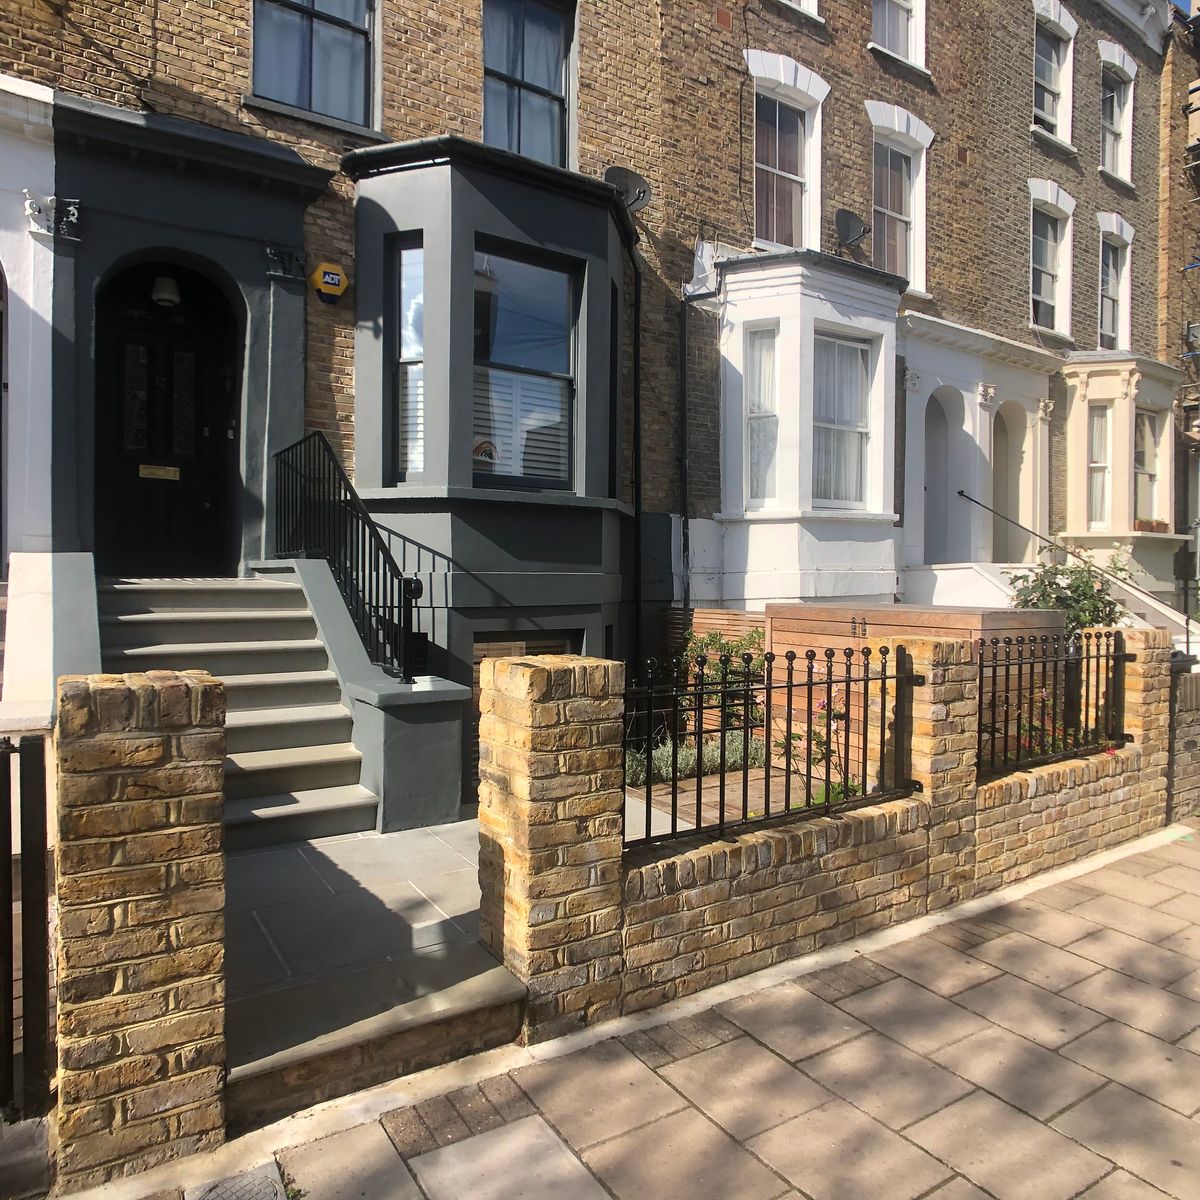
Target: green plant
x=685, y=758
x=825, y=746
x=1076, y=589
x=713, y=644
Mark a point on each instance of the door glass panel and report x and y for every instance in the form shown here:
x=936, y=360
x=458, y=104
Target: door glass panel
x=183, y=415
x=135, y=378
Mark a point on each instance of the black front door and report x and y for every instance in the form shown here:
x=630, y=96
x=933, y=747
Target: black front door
x=166, y=425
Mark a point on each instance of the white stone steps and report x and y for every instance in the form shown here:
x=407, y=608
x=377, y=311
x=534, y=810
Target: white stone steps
x=168, y=595
x=277, y=689
x=291, y=726
x=270, y=820
x=221, y=658
x=298, y=768
x=120, y=630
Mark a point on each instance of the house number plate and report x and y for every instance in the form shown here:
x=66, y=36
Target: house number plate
x=146, y=471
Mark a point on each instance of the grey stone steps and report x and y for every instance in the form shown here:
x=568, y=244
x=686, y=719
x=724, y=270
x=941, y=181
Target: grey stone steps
x=277, y=689
x=222, y=658
x=294, y=725
x=219, y=625
x=169, y=595
x=299, y=768
x=255, y=821
x=386, y=1021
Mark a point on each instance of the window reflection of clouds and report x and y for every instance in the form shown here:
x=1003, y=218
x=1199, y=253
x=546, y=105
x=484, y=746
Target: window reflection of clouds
x=522, y=315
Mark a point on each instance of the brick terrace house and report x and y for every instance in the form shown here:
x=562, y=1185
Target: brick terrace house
x=904, y=248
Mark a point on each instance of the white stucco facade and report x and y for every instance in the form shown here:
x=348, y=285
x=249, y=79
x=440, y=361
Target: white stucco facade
x=794, y=545
x=26, y=285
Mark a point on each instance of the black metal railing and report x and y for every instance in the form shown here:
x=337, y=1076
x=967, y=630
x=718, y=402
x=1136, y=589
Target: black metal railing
x=318, y=514
x=24, y=911
x=1042, y=699
x=712, y=745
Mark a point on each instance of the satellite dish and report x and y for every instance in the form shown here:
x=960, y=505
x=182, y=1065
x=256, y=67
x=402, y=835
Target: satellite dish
x=851, y=228
x=634, y=189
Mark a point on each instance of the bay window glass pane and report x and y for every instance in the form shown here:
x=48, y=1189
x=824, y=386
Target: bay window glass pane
x=502, y=40
x=339, y=72
x=348, y=10
x=541, y=128
x=840, y=399
x=410, y=407
x=500, y=114
x=281, y=54
x=412, y=302
x=762, y=422
x=521, y=425
x=522, y=314
x=1097, y=464
x=838, y=465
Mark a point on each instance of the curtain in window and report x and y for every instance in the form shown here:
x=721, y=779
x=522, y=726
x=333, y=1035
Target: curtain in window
x=1145, y=464
x=762, y=420
x=892, y=25
x=521, y=425
x=839, y=421
x=1097, y=464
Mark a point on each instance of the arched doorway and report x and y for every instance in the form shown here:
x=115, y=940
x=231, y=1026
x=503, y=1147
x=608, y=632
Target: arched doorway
x=937, y=482
x=166, y=424
x=1009, y=544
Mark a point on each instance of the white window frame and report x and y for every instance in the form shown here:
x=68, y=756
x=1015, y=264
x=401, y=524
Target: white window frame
x=869, y=347
x=749, y=330
x=898, y=127
x=777, y=170
x=784, y=79
x=1120, y=63
x=1054, y=17
x=914, y=52
x=1118, y=232
x=1047, y=197
x=1097, y=466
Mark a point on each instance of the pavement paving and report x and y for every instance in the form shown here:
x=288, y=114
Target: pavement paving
x=1045, y=1049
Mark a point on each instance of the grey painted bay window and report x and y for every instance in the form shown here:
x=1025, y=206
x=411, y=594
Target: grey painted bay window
x=410, y=359
x=314, y=54
x=841, y=384
x=524, y=388
x=525, y=45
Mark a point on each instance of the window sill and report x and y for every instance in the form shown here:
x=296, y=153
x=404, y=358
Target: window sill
x=1117, y=180
x=417, y=492
x=776, y=247
x=815, y=18
x=892, y=56
x=261, y=104
x=1052, y=140
x=1123, y=535
x=849, y=514
x=1056, y=334
x=918, y=294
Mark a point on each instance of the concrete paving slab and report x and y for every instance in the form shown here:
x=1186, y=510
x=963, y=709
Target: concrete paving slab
x=257, y=878
x=1183, y=904
x=1066, y=896
x=791, y=1020
x=367, y=862
x=744, y=1087
x=522, y=1161
x=1188, y=986
x=1179, y=878
x=455, y=893
x=913, y=1016
x=1184, y=850
x=1120, y=1185
x=359, y=1164
x=1043, y=922
x=1148, y=1140
x=934, y=965
x=1020, y=1072
x=1163, y=1072
x=1035, y=961
x=251, y=963
x=1007, y=1152
x=598, y=1093
x=958, y=1189
x=1164, y=1014
x=838, y=1153
x=461, y=836
x=1186, y=941
x=1146, y=890
x=1127, y=917
x=680, y=1157
x=885, y=1079
x=1133, y=956
x=1030, y=1011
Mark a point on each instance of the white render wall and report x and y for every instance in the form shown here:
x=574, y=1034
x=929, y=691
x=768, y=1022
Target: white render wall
x=27, y=263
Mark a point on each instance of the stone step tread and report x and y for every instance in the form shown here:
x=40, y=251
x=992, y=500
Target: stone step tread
x=286, y=805
x=177, y=616
x=151, y=651
x=480, y=987
x=296, y=714
x=243, y=762
x=186, y=585
x=278, y=679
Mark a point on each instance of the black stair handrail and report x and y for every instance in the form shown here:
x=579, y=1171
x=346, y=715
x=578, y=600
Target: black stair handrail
x=318, y=514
